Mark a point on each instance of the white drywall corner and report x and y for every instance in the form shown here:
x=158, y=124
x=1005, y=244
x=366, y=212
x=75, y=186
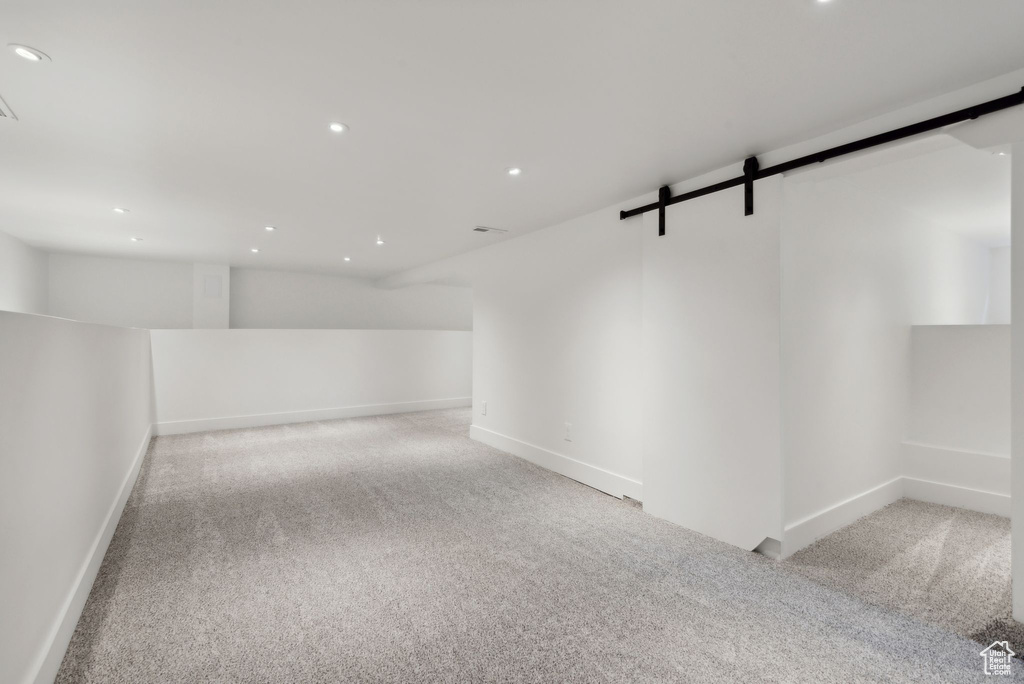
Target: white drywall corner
x=24, y=277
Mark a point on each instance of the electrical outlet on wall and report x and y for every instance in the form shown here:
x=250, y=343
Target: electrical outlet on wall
x=483, y=408
x=568, y=431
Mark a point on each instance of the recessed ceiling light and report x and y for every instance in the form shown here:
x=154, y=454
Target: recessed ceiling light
x=348, y=258
x=120, y=210
x=31, y=54
x=380, y=240
x=254, y=250
x=514, y=171
x=338, y=127
x=136, y=239
x=1001, y=154
x=269, y=228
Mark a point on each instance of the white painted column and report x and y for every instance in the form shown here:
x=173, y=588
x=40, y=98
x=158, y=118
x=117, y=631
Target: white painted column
x=1017, y=381
x=211, y=290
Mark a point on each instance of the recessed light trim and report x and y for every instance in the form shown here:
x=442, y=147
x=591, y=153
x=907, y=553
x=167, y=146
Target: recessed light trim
x=136, y=239
x=120, y=210
x=29, y=53
x=255, y=250
x=514, y=171
x=380, y=240
x=338, y=127
x=269, y=228
x=348, y=258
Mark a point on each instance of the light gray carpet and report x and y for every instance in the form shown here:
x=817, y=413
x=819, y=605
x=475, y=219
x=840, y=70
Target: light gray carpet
x=944, y=565
x=395, y=549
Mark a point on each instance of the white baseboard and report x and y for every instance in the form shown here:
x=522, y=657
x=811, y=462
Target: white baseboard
x=980, y=470
x=52, y=654
x=961, y=497
x=592, y=476
x=805, y=532
x=982, y=479
x=180, y=427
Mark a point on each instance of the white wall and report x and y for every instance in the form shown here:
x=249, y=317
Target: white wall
x=24, y=276
x=948, y=275
x=75, y=413
x=535, y=389
x=283, y=299
x=855, y=276
x=712, y=448
x=999, y=286
x=215, y=379
x=958, y=434
x=557, y=340
x=960, y=387
x=211, y=295
x=1017, y=380
x=171, y=295
x=132, y=293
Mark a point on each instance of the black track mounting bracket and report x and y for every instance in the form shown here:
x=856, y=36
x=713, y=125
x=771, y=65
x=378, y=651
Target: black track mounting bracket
x=663, y=194
x=750, y=168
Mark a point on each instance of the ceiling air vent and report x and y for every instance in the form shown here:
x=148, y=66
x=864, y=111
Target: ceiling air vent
x=5, y=111
x=485, y=229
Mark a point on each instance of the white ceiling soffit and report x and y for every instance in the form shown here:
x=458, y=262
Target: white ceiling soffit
x=1000, y=129
x=938, y=179
x=209, y=120
x=873, y=158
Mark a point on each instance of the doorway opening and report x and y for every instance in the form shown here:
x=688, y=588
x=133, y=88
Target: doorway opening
x=895, y=379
